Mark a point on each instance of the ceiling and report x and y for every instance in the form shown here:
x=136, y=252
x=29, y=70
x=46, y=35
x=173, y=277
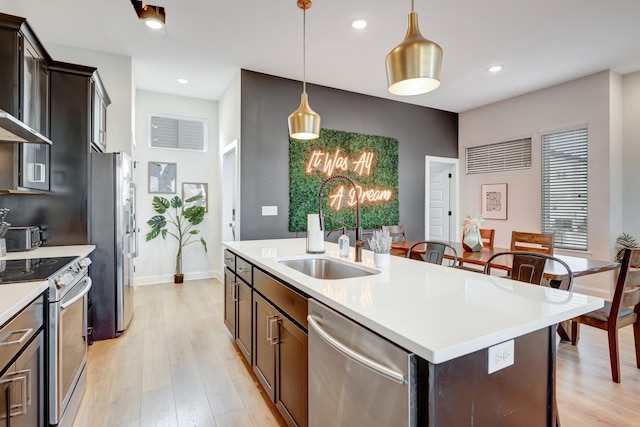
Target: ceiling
x=538, y=43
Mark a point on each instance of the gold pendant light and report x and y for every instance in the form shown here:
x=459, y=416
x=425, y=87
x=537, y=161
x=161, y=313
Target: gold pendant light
x=415, y=65
x=304, y=123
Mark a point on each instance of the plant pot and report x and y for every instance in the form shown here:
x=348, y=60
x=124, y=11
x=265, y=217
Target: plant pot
x=178, y=278
x=382, y=260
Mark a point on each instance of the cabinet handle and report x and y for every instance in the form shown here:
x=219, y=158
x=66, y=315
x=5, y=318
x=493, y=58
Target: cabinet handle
x=26, y=333
x=243, y=270
x=271, y=321
x=234, y=291
x=16, y=409
x=228, y=259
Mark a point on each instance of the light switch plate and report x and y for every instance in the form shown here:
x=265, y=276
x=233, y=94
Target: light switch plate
x=501, y=356
x=269, y=210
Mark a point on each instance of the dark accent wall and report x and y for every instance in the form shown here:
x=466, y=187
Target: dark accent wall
x=267, y=101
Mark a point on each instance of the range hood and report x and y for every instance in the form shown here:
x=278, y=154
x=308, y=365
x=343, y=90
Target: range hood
x=13, y=130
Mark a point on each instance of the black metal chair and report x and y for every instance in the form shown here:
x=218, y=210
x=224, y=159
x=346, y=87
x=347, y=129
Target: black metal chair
x=529, y=267
x=434, y=252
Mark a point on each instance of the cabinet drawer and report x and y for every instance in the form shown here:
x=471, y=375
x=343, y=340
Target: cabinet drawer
x=243, y=269
x=229, y=260
x=15, y=334
x=285, y=298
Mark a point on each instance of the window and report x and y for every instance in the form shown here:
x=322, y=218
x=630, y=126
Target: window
x=564, y=188
x=182, y=133
x=499, y=157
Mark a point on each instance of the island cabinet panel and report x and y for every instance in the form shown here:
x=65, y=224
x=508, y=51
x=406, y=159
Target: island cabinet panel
x=291, y=393
x=281, y=346
x=238, y=298
x=461, y=392
x=264, y=356
x=243, y=319
x=230, y=301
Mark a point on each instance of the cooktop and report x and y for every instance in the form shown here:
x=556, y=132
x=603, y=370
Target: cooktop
x=30, y=270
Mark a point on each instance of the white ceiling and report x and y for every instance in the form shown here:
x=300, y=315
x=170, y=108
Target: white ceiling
x=539, y=43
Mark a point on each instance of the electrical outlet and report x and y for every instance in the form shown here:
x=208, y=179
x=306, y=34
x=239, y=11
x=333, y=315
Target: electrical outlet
x=269, y=210
x=501, y=356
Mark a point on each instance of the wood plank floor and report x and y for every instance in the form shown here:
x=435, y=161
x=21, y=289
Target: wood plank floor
x=177, y=366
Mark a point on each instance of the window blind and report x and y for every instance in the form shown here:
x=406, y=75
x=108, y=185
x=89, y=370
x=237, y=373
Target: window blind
x=177, y=133
x=499, y=157
x=564, y=188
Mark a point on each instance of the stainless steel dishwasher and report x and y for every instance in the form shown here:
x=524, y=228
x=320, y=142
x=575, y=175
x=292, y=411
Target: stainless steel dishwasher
x=355, y=376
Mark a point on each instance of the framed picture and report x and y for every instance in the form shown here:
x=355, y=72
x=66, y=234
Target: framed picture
x=494, y=201
x=190, y=189
x=162, y=177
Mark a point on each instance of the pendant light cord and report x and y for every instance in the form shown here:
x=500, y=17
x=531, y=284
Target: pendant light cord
x=304, y=50
x=411, y=5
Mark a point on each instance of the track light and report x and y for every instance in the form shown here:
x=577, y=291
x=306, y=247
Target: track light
x=153, y=16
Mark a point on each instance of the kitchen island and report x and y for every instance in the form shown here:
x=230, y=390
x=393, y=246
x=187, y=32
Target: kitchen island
x=448, y=318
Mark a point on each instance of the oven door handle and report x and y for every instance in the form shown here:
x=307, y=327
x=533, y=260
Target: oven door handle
x=85, y=291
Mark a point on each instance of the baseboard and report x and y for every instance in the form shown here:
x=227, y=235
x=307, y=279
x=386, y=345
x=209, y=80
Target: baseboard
x=168, y=278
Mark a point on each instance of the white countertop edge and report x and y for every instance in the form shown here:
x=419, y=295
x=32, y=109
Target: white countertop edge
x=437, y=355
x=51, y=252
x=16, y=296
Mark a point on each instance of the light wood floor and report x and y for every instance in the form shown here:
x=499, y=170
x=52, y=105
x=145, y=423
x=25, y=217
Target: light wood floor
x=177, y=366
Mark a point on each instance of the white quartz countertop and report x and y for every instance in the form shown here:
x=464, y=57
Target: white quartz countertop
x=437, y=312
x=15, y=296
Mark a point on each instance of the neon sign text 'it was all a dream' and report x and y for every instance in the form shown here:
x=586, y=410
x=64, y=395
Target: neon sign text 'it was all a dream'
x=328, y=163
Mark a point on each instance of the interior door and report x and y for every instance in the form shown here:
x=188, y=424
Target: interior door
x=230, y=223
x=441, y=217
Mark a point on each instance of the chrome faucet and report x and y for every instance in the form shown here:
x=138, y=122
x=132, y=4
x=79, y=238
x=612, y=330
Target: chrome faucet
x=359, y=243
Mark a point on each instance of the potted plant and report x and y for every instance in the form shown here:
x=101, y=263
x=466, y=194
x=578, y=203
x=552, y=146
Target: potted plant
x=182, y=222
x=380, y=244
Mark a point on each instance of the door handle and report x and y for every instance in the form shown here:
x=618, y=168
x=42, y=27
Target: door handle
x=85, y=291
x=354, y=355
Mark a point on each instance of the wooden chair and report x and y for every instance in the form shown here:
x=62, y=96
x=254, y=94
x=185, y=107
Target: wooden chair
x=528, y=267
x=434, y=252
x=487, y=235
x=623, y=310
x=541, y=243
x=397, y=234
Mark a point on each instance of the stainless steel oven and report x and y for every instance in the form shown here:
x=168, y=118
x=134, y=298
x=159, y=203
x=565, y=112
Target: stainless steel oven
x=68, y=342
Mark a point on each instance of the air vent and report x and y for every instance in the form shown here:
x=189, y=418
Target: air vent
x=179, y=133
x=499, y=157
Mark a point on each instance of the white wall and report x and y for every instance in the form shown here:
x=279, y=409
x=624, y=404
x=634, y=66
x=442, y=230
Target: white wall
x=116, y=73
x=157, y=257
x=631, y=135
x=582, y=101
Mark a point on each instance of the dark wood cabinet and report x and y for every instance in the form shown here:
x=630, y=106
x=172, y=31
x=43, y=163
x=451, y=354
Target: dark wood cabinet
x=22, y=372
x=238, y=299
x=99, y=102
x=264, y=359
x=24, y=93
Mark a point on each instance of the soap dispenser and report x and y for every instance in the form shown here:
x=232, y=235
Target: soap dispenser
x=343, y=244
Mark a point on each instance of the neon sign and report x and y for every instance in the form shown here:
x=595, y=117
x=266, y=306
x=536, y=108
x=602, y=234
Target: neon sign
x=327, y=163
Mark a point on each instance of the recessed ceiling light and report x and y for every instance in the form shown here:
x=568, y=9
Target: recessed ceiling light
x=359, y=24
x=495, y=68
x=183, y=81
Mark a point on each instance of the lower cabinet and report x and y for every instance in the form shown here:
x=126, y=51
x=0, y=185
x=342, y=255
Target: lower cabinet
x=243, y=318
x=230, y=301
x=237, y=311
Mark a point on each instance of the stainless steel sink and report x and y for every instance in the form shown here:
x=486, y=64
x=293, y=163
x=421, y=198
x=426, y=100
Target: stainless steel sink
x=326, y=269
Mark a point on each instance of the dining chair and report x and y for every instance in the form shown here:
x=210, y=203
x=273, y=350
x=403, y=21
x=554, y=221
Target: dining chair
x=529, y=267
x=532, y=242
x=487, y=235
x=434, y=252
x=623, y=310
x=397, y=234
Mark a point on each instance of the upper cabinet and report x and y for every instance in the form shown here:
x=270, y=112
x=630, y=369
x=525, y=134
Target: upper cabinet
x=99, y=101
x=24, y=93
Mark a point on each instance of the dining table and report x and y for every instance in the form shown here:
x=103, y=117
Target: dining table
x=554, y=273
